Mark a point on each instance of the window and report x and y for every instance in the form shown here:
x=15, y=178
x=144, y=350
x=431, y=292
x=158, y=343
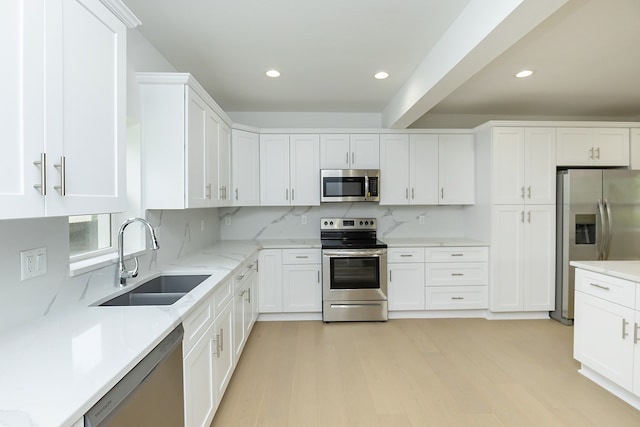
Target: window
x=90, y=235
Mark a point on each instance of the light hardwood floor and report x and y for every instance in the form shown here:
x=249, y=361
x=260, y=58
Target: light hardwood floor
x=417, y=372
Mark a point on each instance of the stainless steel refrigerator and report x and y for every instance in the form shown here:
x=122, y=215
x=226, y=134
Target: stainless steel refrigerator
x=598, y=218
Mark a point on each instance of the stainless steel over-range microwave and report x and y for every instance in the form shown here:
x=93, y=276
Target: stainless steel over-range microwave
x=350, y=185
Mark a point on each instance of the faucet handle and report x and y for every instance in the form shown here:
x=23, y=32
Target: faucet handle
x=128, y=274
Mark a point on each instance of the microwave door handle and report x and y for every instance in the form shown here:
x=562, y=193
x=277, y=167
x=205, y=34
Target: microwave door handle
x=366, y=186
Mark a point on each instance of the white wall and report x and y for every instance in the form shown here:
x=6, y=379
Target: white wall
x=287, y=222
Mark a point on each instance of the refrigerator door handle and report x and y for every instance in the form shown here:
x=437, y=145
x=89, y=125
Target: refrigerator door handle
x=603, y=234
x=607, y=248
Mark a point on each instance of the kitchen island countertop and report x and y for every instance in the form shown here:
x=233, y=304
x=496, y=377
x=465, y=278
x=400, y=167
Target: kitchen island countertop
x=628, y=270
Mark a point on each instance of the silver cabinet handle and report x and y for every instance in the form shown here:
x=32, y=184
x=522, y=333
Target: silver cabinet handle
x=457, y=254
x=406, y=193
x=442, y=193
x=302, y=256
x=62, y=188
x=529, y=192
x=236, y=194
x=43, y=174
x=591, y=151
x=221, y=341
x=522, y=192
x=413, y=193
x=353, y=157
x=208, y=192
x=240, y=277
x=598, y=153
x=457, y=274
x=221, y=193
x=390, y=275
x=248, y=295
x=595, y=285
x=529, y=217
x=286, y=194
x=318, y=276
x=406, y=255
x=457, y=298
x=347, y=153
x=217, y=341
x=624, y=328
x=292, y=194
x=635, y=333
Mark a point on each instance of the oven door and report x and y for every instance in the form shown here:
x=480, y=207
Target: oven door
x=354, y=274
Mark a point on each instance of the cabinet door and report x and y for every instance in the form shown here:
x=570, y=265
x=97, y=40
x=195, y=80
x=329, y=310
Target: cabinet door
x=539, y=258
x=423, y=169
x=201, y=128
x=250, y=303
x=21, y=106
x=270, y=281
x=304, y=159
x=394, y=169
x=612, y=146
x=245, y=157
x=603, y=338
x=199, y=388
x=507, y=234
x=239, y=337
x=334, y=151
x=223, y=165
x=456, y=169
x=302, y=288
x=85, y=108
x=507, y=166
x=274, y=170
x=540, y=165
x=223, y=360
x=575, y=147
x=365, y=151
x=405, y=286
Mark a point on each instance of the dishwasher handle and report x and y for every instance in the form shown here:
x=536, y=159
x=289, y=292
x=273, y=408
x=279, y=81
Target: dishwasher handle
x=113, y=400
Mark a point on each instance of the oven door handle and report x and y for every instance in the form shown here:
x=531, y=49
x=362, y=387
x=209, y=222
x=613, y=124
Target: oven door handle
x=344, y=253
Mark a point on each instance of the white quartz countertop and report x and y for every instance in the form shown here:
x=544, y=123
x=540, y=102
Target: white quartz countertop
x=628, y=270
x=397, y=242
x=58, y=367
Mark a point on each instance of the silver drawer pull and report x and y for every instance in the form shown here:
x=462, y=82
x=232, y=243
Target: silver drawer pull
x=595, y=285
x=302, y=256
x=624, y=328
x=635, y=333
x=457, y=274
x=406, y=255
x=457, y=254
x=457, y=298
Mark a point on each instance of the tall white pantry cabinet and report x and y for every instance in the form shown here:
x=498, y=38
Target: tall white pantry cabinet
x=522, y=182
x=64, y=116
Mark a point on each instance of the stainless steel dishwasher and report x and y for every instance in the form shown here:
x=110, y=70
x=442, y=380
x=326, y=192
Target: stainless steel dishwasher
x=151, y=394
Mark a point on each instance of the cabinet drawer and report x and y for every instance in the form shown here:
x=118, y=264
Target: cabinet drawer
x=405, y=255
x=222, y=295
x=459, y=273
x=609, y=288
x=241, y=275
x=196, y=324
x=457, y=254
x=457, y=297
x=301, y=256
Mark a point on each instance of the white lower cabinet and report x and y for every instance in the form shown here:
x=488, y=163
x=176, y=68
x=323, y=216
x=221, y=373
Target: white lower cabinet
x=244, y=306
x=199, y=399
x=290, y=281
x=223, y=353
x=405, y=279
x=606, y=328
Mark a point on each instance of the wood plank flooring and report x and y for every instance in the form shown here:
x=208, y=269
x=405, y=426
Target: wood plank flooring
x=415, y=372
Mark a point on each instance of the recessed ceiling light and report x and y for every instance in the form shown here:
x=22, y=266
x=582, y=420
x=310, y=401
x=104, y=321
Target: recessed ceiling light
x=273, y=73
x=381, y=75
x=524, y=73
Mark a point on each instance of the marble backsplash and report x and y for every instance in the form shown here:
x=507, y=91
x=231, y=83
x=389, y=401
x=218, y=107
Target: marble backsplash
x=304, y=222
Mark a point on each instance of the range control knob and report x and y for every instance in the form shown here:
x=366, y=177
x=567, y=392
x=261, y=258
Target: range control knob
x=330, y=222
x=366, y=223
x=371, y=222
x=360, y=222
x=326, y=222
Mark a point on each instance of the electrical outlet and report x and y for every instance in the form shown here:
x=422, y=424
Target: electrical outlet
x=202, y=225
x=33, y=263
x=227, y=220
x=303, y=219
x=421, y=219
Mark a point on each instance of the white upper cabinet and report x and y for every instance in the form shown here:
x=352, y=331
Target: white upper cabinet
x=186, y=144
x=245, y=167
x=289, y=170
x=456, y=169
x=523, y=165
x=593, y=147
x=344, y=151
x=427, y=169
x=66, y=112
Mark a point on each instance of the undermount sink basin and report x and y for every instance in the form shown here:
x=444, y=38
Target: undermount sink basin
x=162, y=290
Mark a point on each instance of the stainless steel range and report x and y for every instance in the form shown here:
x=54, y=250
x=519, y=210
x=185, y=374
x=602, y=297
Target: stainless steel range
x=354, y=270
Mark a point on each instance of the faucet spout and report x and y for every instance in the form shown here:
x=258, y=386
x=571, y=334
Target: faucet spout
x=123, y=273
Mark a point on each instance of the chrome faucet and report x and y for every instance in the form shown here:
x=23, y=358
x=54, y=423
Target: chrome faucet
x=125, y=274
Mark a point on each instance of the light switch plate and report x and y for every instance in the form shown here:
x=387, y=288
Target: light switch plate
x=33, y=263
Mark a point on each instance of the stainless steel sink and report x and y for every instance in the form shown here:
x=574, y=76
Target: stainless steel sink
x=163, y=290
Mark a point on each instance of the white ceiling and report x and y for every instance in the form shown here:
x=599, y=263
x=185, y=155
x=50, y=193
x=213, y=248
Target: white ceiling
x=446, y=58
